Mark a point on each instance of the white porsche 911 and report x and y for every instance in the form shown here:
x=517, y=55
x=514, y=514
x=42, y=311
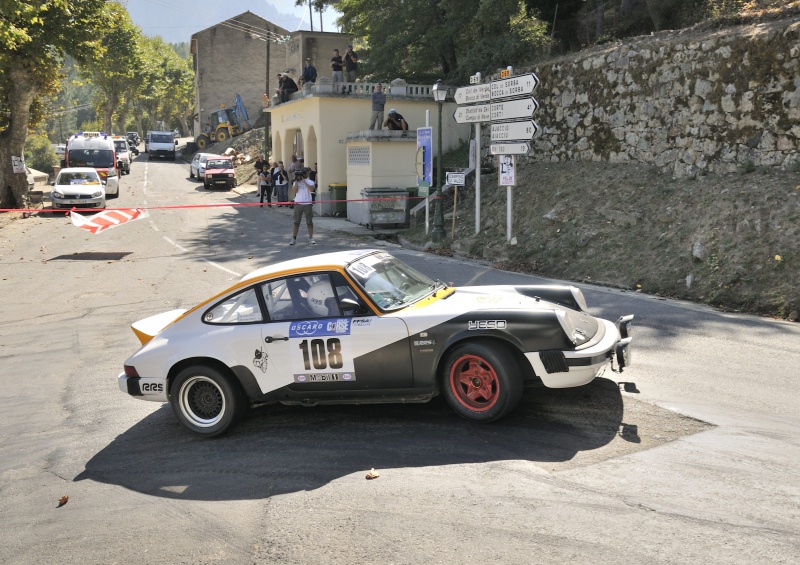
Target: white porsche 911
x=364, y=327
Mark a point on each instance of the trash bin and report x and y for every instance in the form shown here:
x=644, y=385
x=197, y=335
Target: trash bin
x=339, y=193
x=384, y=207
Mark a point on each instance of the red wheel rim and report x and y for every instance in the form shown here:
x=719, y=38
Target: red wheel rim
x=474, y=383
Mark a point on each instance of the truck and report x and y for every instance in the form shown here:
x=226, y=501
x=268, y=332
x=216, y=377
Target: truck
x=95, y=149
x=160, y=144
x=224, y=124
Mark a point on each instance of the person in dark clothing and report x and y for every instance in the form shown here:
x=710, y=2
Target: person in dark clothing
x=336, y=67
x=350, y=63
x=288, y=87
x=396, y=122
x=378, y=102
x=265, y=185
x=309, y=73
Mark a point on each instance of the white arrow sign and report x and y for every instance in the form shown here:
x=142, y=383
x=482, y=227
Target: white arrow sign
x=514, y=86
x=514, y=131
x=470, y=94
x=514, y=109
x=469, y=114
x=509, y=148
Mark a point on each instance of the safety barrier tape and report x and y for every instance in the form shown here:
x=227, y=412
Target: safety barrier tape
x=219, y=205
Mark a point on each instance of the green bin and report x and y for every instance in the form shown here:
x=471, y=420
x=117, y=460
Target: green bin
x=339, y=193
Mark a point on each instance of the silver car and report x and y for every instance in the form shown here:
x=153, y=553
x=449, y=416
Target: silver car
x=197, y=169
x=79, y=187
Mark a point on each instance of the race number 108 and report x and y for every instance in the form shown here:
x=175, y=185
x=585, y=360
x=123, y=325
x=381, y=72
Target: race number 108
x=322, y=354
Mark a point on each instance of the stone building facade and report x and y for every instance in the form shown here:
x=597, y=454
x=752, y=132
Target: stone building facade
x=687, y=102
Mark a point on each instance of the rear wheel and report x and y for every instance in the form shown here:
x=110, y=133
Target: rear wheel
x=206, y=401
x=482, y=383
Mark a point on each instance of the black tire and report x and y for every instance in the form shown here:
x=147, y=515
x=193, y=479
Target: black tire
x=205, y=185
x=202, y=141
x=206, y=401
x=481, y=382
x=191, y=174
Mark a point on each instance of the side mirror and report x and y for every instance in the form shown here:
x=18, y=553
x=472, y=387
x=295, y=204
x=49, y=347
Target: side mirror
x=53, y=183
x=351, y=307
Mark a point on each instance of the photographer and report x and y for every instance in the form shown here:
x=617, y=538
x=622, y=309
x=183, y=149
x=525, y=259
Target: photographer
x=302, y=191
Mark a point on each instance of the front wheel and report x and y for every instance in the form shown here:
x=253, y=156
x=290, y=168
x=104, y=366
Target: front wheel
x=206, y=401
x=482, y=383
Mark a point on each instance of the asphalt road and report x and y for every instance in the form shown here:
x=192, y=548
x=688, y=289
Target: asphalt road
x=691, y=455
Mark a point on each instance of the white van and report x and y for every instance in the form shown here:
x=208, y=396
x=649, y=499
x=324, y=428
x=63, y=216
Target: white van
x=160, y=144
x=95, y=149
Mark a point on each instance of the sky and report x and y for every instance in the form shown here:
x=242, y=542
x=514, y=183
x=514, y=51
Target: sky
x=176, y=20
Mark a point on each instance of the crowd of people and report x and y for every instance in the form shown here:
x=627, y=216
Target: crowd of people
x=294, y=187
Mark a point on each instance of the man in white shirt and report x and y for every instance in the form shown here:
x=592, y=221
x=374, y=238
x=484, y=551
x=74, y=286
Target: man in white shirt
x=302, y=190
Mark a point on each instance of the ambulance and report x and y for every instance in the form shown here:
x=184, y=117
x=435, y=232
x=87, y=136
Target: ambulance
x=95, y=149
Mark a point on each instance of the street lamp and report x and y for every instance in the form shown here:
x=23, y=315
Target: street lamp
x=439, y=94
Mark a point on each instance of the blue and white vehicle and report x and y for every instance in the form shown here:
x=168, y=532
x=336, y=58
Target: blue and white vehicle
x=363, y=327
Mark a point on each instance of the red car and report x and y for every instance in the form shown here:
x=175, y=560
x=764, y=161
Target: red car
x=219, y=171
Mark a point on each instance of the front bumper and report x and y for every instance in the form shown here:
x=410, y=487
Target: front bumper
x=78, y=201
x=564, y=369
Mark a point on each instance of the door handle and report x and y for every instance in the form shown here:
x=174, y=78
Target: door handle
x=270, y=339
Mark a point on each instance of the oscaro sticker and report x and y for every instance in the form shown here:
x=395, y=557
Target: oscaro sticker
x=487, y=325
x=310, y=328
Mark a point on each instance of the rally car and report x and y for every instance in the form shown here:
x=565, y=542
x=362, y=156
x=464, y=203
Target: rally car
x=364, y=327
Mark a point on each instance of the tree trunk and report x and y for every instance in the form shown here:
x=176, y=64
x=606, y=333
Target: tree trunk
x=625, y=8
x=14, y=186
x=599, y=20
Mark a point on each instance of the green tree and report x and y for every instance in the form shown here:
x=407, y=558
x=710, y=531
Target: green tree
x=39, y=153
x=35, y=36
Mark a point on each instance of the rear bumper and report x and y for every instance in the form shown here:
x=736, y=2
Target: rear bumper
x=143, y=389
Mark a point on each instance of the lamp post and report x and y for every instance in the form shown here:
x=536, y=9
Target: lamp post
x=439, y=94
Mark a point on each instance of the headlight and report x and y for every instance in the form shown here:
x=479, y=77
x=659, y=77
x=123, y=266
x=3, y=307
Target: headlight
x=57, y=194
x=112, y=173
x=231, y=175
x=97, y=194
x=575, y=335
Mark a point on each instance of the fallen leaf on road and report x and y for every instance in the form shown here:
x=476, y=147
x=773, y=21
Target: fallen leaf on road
x=373, y=474
x=62, y=501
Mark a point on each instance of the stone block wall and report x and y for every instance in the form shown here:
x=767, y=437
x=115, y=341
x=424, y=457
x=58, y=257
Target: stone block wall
x=688, y=102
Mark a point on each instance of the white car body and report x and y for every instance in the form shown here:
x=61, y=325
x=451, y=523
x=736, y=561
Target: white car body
x=79, y=187
x=95, y=149
x=197, y=168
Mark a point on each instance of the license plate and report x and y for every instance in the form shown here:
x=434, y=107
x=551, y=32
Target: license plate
x=220, y=182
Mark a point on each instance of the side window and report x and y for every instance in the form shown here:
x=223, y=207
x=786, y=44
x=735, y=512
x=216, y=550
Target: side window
x=240, y=308
x=348, y=301
x=301, y=298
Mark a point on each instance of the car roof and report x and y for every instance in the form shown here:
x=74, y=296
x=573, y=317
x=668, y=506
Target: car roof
x=77, y=170
x=311, y=262
x=207, y=155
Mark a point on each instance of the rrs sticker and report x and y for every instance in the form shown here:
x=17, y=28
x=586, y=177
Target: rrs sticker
x=152, y=387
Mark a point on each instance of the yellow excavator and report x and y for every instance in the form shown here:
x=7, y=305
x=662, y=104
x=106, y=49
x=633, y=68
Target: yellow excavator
x=224, y=124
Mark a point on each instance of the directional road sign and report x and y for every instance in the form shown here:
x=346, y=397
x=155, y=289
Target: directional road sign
x=513, y=109
x=509, y=131
x=472, y=94
x=515, y=86
x=509, y=148
x=470, y=114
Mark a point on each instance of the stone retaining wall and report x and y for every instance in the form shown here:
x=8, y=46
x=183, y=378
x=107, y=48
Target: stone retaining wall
x=687, y=102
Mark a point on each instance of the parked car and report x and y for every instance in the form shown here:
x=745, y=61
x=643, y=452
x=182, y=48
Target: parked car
x=81, y=187
x=197, y=168
x=219, y=172
x=363, y=327
x=124, y=156
x=61, y=150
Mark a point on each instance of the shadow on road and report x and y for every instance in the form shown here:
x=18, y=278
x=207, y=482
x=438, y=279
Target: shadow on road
x=279, y=449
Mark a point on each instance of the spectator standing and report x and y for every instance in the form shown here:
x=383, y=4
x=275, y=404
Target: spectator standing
x=336, y=67
x=350, y=63
x=281, y=181
x=265, y=185
x=396, y=122
x=302, y=190
x=309, y=73
x=378, y=102
x=259, y=165
x=293, y=167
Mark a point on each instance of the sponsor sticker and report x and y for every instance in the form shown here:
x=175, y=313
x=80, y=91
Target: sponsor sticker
x=324, y=377
x=314, y=328
x=424, y=342
x=361, y=322
x=487, y=325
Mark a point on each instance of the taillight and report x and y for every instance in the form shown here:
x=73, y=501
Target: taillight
x=130, y=371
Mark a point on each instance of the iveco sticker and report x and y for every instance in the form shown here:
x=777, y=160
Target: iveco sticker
x=311, y=328
x=487, y=325
x=261, y=360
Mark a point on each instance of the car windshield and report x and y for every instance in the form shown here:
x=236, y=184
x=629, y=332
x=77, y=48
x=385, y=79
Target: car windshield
x=161, y=138
x=389, y=282
x=218, y=164
x=91, y=158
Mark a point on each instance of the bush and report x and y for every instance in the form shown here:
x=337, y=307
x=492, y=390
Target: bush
x=39, y=154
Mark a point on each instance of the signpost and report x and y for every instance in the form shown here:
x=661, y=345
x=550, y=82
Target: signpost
x=514, y=86
x=472, y=94
x=509, y=148
x=455, y=179
x=513, y=109
x=472, y=114
x=514, y=130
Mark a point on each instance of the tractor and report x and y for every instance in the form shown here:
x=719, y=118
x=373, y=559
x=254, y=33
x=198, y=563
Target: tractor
x=224, y=124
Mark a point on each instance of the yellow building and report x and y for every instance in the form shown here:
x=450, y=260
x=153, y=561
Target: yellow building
x=328, y=124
